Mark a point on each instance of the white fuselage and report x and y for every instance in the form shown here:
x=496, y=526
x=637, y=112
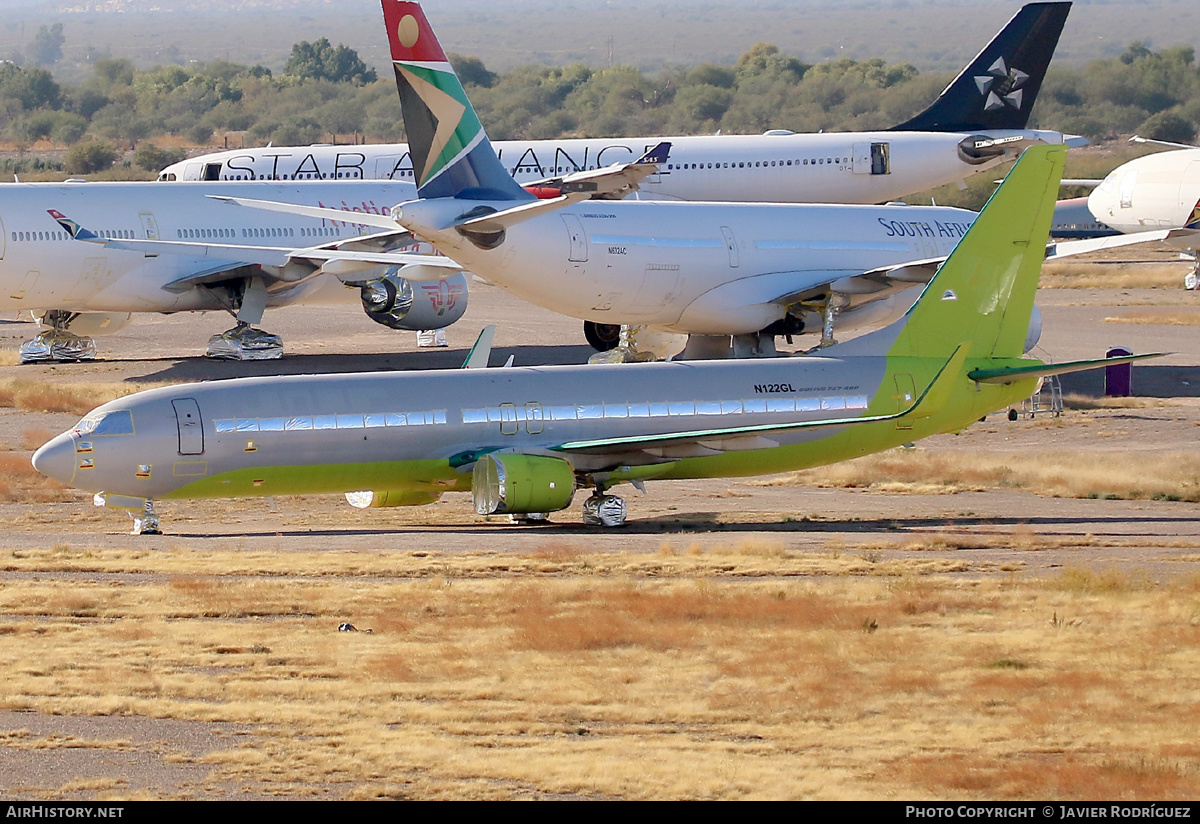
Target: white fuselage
x=1158, y=191
x=696, y=268
x=777, y=167
x=42, y=267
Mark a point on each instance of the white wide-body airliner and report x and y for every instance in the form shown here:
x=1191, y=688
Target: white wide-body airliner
x=978, y=122
x=1158, y=191
x=78, y=290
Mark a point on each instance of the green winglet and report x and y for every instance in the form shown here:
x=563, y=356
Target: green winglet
x=1011, y=374
x=477, y=358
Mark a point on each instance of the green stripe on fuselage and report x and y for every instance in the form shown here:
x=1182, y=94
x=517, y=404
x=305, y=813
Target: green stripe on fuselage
x=313, y=479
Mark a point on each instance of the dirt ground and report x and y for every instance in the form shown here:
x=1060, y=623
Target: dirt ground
x=1154, y=536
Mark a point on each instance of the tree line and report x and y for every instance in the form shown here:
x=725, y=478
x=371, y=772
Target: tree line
x=325, y=91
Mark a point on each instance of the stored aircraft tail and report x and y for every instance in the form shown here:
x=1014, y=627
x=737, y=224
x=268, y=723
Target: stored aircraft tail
x=451, y=154
x=998, y=88
x=983, y=294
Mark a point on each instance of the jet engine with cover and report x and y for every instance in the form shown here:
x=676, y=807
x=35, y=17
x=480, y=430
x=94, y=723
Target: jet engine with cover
x=414, y=304
x=510, y=483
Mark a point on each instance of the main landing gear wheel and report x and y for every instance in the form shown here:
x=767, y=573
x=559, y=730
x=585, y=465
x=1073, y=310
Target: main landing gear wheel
x=602, y=336
x=244, y=342
x=57, y=344
x=604, y=510
x=146, y=521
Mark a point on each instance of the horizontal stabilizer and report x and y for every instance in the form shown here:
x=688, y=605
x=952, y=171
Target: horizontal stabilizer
x=496, y=221
x=1068, y=248
x=608, y=182
x=1011, y=374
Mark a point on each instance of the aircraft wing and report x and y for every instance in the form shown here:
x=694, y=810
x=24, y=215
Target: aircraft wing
x=610, y=182
x=1186, y=239
x=321, y=212
x=342, y=258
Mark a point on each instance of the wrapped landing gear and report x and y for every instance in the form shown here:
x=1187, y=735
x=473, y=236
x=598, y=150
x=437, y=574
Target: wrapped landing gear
x=146, y=522
x=57, y=343
x=604, y=510
x=244, y=342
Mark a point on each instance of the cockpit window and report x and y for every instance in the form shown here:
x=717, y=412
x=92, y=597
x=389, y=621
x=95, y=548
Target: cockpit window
x=117, y=422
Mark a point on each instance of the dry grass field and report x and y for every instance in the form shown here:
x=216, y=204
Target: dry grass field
x=1011, y=612
x=728, y=670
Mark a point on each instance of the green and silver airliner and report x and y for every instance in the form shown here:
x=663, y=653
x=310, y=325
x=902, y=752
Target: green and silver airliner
x=524, y=440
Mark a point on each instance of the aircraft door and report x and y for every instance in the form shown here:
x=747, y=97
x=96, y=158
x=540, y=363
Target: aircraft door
x=386, y=166
x=150, y=225
x=1128, y=183
x=730, y=246
x=579, y=239
x=534, y=418
x=508, y=419
x=2, y=237
x=191, y=428
x=212, y=171
x=881, y=159
x=862, y=158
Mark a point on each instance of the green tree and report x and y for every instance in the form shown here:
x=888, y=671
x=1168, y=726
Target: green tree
x=471, y=71
x=321, y=61
x=152, y=158
x=86, y=158
x=46, y=48
x=1169, y=126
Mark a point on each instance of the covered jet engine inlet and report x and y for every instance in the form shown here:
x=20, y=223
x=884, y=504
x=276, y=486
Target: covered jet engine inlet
x=507, y=483
x=977, y=148
x=400, y=303
x=391, y=497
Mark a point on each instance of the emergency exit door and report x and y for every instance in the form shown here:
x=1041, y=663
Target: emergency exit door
x=191, y=429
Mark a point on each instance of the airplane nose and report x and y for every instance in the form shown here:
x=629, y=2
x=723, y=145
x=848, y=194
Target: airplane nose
x=56, y=459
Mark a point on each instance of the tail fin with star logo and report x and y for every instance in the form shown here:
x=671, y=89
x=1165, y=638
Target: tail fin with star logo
x=997, y=89
x=451, y=155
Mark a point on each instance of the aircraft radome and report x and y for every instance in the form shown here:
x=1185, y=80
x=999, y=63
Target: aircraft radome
x=1157, y=191
x=730, y=276
x=524, y=439
x=979, y=121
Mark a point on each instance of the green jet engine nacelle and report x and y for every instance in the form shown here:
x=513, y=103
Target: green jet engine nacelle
x=508, y=483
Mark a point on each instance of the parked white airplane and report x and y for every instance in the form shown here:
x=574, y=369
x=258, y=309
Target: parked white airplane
x=978, y=122
x=707, y=270
x=78, y=289
x=1158, y=191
